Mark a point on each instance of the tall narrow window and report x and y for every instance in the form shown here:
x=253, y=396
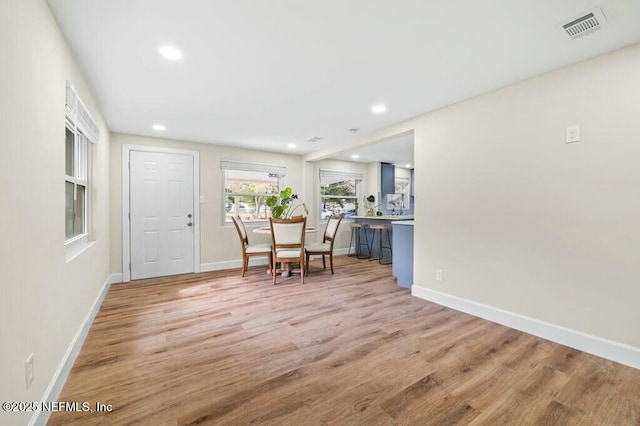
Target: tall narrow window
x=339, y=192
x=76, y=182
x=247, y=187
x=81, y=132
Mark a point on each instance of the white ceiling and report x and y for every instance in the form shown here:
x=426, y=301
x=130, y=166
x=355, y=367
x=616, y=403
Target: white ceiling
x=397, y=150
x=262, y=74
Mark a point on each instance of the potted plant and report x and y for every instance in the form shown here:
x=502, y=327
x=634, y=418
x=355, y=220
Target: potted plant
x=282, y=208
x=370, y=204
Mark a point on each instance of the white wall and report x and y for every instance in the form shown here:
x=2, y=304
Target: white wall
x=374, y=181
x=219, y=243
x=44, y=298
x=521, y=221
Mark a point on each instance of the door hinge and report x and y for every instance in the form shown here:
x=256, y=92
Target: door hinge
x=129, y=267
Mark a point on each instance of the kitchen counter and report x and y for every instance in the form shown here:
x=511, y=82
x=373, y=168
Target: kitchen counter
x=384, y=217
x=404, y=222
x=387, y=237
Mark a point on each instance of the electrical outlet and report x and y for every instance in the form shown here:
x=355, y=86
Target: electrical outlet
x=438, y=274
x=573, y=134
x=28, y=371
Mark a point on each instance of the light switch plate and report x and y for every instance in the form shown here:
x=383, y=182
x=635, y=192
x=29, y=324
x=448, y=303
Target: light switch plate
x=573, y=134
x=202, y=199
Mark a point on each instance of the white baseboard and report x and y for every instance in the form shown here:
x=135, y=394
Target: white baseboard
x=336, y=252
x=62, y=372
x=609, y=349
x=231, y=264
x=115, y=278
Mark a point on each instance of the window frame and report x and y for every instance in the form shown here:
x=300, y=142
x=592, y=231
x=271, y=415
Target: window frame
x=406, y=193
x=230, y=165
x=82, y=165
x=86, y=133
x=79, y=177
x=344, y=175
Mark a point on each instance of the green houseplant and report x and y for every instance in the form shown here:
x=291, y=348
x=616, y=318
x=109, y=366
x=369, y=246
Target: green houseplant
x=282, y=208
x=370, y=204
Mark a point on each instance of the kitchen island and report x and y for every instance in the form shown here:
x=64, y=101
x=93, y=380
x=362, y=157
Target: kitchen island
x=379, y=220
x=403, y=252
x=385, y=218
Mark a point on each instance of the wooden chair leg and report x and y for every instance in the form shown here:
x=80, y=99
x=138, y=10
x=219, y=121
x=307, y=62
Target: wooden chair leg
x=331, y=262
x=273, y=272
x=306, y=265
x=244, y=263
x=324, y=265
x=302, y=265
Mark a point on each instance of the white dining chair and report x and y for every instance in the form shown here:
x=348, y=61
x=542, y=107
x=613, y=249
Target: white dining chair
x=248, y=250
x=287, y=243
x=325, y=248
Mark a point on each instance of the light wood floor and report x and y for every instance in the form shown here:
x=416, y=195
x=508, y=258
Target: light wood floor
x=352, y=348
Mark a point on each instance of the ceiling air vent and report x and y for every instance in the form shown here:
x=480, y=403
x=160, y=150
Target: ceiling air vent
x=585, y=24
x=314, y=139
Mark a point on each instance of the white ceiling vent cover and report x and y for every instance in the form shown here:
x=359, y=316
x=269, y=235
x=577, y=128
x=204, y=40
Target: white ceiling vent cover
x=585, y=24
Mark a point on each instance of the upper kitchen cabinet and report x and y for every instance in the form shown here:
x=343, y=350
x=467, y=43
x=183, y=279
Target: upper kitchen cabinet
x=387, y=179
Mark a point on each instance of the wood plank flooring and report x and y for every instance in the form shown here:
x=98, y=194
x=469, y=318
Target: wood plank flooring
x=352, y=348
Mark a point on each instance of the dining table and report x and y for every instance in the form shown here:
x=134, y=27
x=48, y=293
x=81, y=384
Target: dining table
x=266, y=230
x=286, y=270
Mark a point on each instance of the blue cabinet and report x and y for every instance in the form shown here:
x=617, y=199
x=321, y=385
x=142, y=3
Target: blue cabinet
x=387, y=180
x=402, y=267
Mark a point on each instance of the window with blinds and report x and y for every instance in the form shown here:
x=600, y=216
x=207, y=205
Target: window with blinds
x=247, y=187
x=81, y=132
x=339, y=193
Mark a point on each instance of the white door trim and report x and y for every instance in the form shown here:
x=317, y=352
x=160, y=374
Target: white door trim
x=126, y=243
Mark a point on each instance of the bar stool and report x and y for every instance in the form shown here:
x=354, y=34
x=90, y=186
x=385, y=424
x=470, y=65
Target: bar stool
x=380, y=257
x=356, y=241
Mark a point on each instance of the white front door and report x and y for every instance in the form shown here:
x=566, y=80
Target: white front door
x=162, y=216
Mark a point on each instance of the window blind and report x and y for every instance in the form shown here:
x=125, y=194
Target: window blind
x=253, y=167
x=337, y=176
x=80, y=116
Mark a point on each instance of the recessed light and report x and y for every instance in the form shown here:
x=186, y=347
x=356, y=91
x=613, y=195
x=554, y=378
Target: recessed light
x=355, y=156
x=291, y=145
x=170, y=53
x=408, y=166
x=378, y=109
x=159, y=127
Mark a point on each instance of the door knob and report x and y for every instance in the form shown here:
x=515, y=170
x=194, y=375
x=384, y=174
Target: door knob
x=189, y=224
x=189, y=215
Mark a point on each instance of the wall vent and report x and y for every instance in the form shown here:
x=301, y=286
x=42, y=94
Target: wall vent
x=585, y=24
